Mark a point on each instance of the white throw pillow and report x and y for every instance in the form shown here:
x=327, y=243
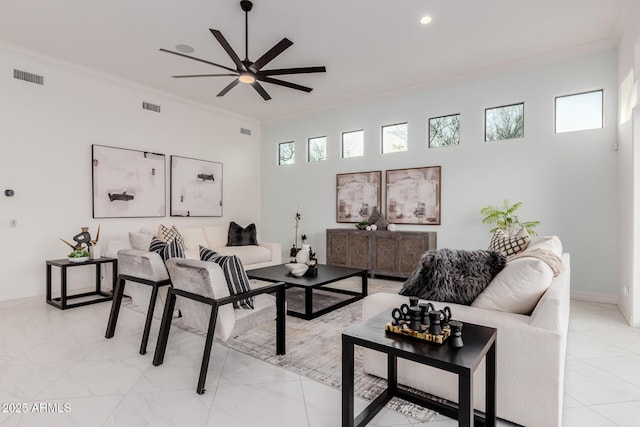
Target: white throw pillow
x=517, y=288
x=551, y=243
x=140, y=240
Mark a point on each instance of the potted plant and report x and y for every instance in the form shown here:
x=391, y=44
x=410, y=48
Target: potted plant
x=505, y=219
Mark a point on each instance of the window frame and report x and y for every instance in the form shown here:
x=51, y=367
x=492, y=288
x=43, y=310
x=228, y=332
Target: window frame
x=293, y=157
x=429, y=130
x=555, y=111
x=326, y=155
x=342, y=143
x=382, y=137
x=498, y=107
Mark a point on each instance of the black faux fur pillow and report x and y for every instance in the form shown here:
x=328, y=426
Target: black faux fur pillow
x=456, y=276
x=239, y=236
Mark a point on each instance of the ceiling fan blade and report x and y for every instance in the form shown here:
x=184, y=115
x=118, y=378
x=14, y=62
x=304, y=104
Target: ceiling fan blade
x=204, y=75
x=228, y=87
x=263, y=93
x=285, y=84
x=300, y=70
x=198, y=59
x=227, y=47
x=271, y=54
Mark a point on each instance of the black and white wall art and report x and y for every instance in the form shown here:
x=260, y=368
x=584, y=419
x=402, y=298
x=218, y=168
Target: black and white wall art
x=127, y=183
x=196, y=187
x=357, y=194
x=413, y=195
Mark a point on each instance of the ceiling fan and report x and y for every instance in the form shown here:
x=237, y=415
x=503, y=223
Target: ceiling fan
x=251, y=72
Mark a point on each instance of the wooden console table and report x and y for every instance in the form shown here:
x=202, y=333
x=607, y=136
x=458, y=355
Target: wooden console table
x=385, y=253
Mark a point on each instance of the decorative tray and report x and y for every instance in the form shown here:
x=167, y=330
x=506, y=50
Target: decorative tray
x=404, y=330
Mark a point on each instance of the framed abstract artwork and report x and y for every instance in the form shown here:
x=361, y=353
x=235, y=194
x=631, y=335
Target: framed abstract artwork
x=196, y=187
x=357, y=194
x=413, y=195
x=127, y=183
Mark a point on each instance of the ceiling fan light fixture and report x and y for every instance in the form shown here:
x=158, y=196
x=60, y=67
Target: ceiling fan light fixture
x=246, y=78
x=425, y=20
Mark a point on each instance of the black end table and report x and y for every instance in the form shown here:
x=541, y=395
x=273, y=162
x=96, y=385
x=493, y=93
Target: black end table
x=100, y=295
x=326, y=274
x=479, y=341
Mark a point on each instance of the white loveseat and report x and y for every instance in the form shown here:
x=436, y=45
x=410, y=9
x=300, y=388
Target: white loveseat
x=531, y=351
x=212, y=236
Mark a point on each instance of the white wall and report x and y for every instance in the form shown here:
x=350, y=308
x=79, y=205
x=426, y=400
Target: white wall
x=629, y=169
x=46, y=137
x=567, y=181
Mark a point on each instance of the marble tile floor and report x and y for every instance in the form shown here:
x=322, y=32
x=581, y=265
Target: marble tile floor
x=57, y=369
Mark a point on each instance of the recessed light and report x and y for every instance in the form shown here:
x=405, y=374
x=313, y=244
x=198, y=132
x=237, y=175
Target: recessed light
x=184, y=48
x=425, y=20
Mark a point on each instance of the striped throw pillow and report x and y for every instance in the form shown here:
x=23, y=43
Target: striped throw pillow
x=166, y=250
x=237, y=280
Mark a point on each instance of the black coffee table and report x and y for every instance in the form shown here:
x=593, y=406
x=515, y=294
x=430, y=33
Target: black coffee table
x=479, y=341
x=326, y=274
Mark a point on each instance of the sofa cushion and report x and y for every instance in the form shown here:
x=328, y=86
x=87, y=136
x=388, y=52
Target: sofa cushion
x=509, y=245
x=234, y=273
x=518, y=287
x=239, y=236
x=166, y=250
x=249, y=255
x=193, y=238
x=456, y=276
x=216, y=236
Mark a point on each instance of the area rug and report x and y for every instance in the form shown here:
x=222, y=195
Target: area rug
x=314, y=347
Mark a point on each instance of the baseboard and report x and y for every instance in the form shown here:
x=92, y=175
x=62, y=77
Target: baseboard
x=594, y=297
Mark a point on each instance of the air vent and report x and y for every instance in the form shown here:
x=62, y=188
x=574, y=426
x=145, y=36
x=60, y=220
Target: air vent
x=28, y=77
x=151, y=107
x=245, y=131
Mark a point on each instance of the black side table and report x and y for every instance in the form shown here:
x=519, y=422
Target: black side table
x=100, y=295
x=479, y=341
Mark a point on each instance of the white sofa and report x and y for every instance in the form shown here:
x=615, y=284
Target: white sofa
x=213, y=237
x=531, y=351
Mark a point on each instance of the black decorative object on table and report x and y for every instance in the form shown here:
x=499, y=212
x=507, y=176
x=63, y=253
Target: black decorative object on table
x=425, y=308
x=456, y=334
x=435, y=328
x=420, y=321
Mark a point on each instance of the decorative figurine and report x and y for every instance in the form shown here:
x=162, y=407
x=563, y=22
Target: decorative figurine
x=456, y=334
x=425, y=308
x=83, y=238
x=414, y=315
x=435, y=318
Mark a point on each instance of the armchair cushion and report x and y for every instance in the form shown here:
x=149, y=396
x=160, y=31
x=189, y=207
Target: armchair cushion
x=234, y=273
